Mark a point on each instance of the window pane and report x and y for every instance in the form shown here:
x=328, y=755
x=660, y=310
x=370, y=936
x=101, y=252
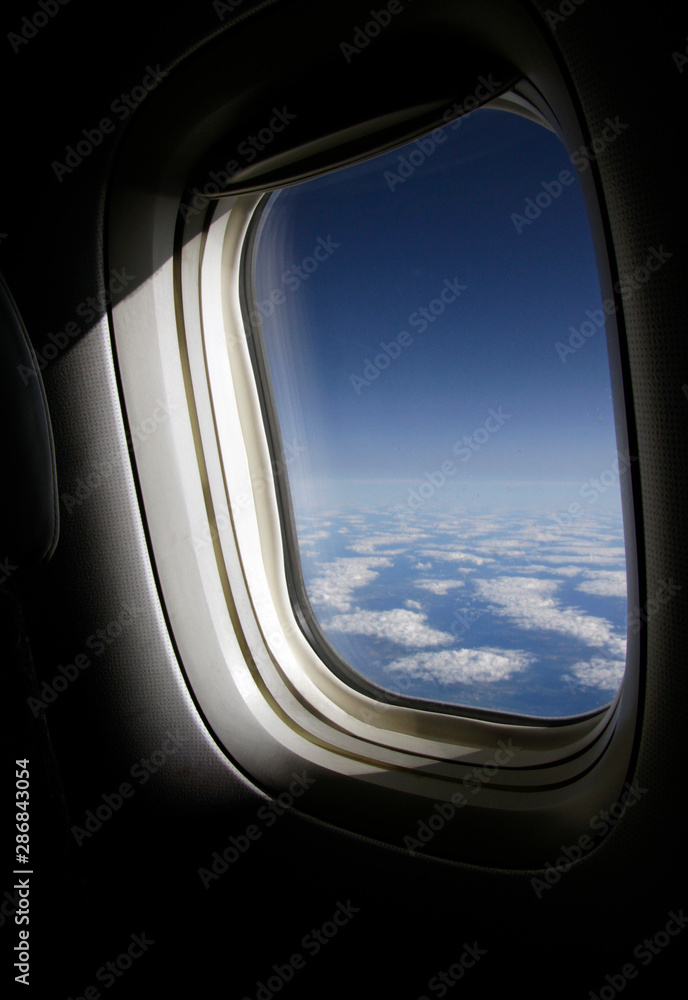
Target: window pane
x=434, y=334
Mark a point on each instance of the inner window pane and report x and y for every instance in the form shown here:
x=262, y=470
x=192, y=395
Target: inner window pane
x=434, y=333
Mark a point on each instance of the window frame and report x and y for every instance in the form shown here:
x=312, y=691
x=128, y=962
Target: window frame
x=216, y=540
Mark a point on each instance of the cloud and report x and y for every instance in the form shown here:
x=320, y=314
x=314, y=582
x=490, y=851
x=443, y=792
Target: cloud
x=335, y=586
x=369, y=545
x=604, y=583
x=312, y=537
x=500, y=543
x=598, y=672
x=502, y=547
x=464, y=666
x=557, y=570
x=407, y=628
x=439, y=586
x=453, y=555
x=605, y=556
x=413, y=605
x=531, y=604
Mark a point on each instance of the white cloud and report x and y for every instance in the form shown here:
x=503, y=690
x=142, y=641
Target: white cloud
x=604, y=556
x=557, y=570
x=501, y=547
x=340, y=578
x=598, y=672
x=453, y=555
x=465, y=666
x=531, y=604
x=407, y=628
x=312, y=537
x=369, y=546
x=413, y=605
x=439, y=586
x=604, y=583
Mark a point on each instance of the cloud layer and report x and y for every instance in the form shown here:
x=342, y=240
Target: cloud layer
x=534, y=603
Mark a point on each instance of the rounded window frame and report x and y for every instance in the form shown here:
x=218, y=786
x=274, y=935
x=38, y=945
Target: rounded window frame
x=272, y=704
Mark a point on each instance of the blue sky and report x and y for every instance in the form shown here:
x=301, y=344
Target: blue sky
x=447, y=225
x=438, y=434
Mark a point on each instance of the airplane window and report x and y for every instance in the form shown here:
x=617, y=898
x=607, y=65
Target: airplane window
x=433, y=334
